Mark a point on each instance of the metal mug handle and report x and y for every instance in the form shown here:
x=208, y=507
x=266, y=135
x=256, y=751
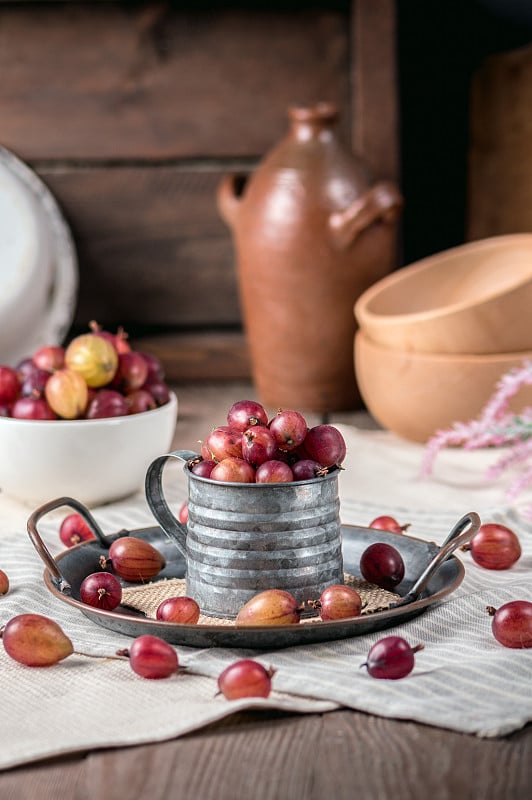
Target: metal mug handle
x=157, y=501
x=50, y=562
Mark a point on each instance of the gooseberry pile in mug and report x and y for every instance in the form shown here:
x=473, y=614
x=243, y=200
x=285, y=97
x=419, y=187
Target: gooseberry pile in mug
x=250, y=448
x=97, y=375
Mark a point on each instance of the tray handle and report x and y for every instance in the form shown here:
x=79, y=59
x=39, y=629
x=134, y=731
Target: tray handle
x=461, y=533
x=59, y=581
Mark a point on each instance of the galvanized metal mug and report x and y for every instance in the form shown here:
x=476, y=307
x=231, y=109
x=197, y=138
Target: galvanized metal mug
x=243, y=538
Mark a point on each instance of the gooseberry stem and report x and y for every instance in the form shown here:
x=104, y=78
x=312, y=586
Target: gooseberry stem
x=96, y=655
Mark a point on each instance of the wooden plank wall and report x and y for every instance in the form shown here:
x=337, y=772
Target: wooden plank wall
x=500, y=154
x=132, y=112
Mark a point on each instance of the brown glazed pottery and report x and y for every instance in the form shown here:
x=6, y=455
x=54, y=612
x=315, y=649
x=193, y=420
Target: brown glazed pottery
x=311, y=231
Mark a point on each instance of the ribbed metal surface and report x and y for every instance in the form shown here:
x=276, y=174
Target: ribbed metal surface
x=244, y=538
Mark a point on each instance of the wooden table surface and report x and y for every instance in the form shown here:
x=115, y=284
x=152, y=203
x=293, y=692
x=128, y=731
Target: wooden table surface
x=277, y=756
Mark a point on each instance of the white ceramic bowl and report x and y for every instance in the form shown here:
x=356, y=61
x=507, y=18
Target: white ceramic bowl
x=94, y=461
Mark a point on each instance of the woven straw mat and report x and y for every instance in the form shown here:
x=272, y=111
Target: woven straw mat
x=148, y=597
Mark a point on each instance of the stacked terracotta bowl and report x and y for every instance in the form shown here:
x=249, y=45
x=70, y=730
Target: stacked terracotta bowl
x=435, y=337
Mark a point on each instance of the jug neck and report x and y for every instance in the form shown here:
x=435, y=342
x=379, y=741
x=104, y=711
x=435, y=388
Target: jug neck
x=312, y=122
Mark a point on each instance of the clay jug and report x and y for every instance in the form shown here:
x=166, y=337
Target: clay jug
x=311, y=231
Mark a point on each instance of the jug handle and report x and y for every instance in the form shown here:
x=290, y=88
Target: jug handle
x=157, y=501
x=229, y=197
x=382, y=202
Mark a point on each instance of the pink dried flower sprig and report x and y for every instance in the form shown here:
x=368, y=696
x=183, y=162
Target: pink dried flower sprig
x=494, y=427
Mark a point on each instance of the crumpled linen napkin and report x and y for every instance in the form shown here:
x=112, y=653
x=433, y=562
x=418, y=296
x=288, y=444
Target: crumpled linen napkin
x=84, y=703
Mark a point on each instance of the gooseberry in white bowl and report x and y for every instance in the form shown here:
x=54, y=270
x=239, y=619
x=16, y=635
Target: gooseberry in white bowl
x=96, y=461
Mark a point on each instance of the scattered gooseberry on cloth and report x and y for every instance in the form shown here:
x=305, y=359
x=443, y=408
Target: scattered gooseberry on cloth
x=391, y=657
x=35, y=640
x=382, y=565
x=270, y=607
x=494, y=546
x=245, y=678
x=134, y=559
x=183, y=610
x=101, y=590
x=387, y=523
x=151, y=657
x=512, y=624
x=4, y=582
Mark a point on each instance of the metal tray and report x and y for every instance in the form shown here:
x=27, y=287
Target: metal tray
x=65, y=573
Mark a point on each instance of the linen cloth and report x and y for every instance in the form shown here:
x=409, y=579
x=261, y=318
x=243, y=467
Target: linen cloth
x=463, y=679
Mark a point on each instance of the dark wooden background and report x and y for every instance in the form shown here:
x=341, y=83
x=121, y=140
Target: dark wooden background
x=132, y=112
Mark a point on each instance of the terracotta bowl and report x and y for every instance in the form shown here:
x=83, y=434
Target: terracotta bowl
x=414, y=394
x=475, y=298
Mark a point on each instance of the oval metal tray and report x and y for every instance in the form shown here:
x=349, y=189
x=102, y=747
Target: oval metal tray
x=74, y=564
